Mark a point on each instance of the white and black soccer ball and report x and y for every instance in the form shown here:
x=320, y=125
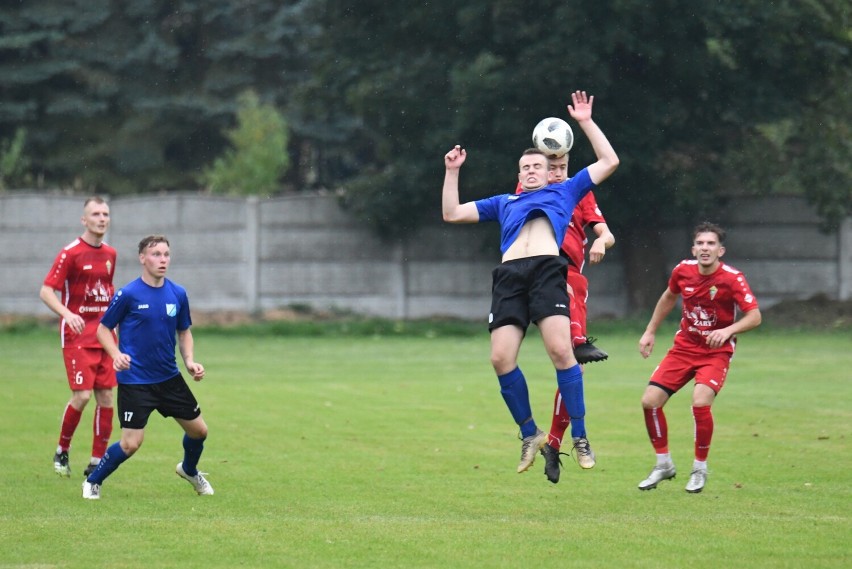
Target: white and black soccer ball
x=553, y=136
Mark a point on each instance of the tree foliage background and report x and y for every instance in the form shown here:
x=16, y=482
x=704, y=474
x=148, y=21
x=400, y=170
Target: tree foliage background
x=258, y=154
x=702, y=101
x=135, y=96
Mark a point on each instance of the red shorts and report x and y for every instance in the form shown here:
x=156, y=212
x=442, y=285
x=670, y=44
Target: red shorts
x=679, y=367
x=88, y=368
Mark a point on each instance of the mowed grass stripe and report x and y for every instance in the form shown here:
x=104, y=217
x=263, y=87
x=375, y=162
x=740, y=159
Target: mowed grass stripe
x=386, y=451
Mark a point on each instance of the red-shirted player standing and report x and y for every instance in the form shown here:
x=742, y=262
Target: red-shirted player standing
x=703, y=347
x=82, y=273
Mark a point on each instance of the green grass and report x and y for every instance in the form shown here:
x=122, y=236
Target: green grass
x=393, y=448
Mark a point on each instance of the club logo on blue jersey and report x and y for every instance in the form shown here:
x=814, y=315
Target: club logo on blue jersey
x=171, y=310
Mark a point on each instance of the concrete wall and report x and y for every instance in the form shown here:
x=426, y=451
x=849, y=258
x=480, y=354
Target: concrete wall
x=253, y=255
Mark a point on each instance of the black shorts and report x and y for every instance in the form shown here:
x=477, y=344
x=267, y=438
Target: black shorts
x=527, y=290
x=171, y=398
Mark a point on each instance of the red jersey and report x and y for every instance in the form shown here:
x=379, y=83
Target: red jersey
x=574, y=244
x=709, y=303
x=83, y=274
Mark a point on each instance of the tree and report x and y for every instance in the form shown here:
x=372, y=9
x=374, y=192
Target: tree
x=700, y=100
x=258, y=155
x=14, y=164
x=681, y=87
x=128, y=97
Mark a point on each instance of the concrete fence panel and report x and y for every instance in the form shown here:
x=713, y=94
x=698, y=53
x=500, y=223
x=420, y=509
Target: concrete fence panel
x=253, y=255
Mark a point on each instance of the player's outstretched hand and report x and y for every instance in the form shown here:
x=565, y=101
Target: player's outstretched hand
x=455, y=158
x=581, y=110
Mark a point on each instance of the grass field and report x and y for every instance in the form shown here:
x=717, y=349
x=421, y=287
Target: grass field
x=394, y=451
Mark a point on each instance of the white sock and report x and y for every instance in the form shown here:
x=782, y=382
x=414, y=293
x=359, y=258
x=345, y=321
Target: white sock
x=664, y=459
x=699, y=465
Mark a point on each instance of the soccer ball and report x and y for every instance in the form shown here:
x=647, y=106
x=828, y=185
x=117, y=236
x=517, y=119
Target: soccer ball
x=553, y=136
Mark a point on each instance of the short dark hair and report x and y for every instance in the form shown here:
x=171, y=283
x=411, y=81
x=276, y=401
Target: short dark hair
x=708, y=227
x=534, y=151
x=152, y=240
x=95, y=199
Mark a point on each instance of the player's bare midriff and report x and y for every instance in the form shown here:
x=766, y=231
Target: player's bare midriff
x=536, y=238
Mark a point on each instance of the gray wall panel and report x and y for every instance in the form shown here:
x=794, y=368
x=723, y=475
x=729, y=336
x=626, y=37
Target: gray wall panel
x=256, y=254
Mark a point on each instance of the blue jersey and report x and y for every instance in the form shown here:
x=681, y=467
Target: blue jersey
x=148, y=319
x=556, y=201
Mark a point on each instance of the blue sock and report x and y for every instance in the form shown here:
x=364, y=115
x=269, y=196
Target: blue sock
x=111, y=460
x=570, y=383
x=191, y=454
x=513, y=387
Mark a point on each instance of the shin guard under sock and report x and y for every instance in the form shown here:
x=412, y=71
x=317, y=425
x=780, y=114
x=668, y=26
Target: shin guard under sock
x=513, y=388
x=112, y=459
x=192, y=449
x=703, y=431
x=658, y=430
x=101, y=430
x=70, y=420
x=560, y=422
x=570, y=383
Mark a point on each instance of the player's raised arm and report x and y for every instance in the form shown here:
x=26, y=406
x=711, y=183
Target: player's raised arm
x=581, y=111
x=453, y=211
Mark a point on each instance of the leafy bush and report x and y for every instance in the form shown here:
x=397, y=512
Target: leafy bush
x=14, y=165
x=258, y=155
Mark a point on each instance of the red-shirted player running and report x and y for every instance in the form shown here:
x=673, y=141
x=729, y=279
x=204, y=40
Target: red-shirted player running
x=703, y=347
x=82, y=273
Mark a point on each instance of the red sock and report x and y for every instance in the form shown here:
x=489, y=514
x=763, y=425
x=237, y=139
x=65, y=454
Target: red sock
x=560, y=422
x=658, y=429
x=578, y=330
x=101, y=430
x=579, y=296
x=70, y=420
x=703, y=431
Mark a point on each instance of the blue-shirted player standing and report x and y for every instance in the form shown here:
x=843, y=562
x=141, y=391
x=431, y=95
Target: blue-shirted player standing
x=152, y=314
x=529, y=284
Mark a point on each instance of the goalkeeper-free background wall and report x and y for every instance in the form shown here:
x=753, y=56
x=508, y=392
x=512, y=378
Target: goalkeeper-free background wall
x=254, y=255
